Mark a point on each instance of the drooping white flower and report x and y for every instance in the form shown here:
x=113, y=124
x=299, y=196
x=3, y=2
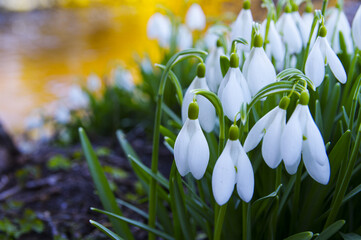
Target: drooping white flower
x=232, y=167
x=356, y=28
x=62, y=115
x=159, y=27
x=275, y=47
x=337, y=22
x=242, y=28
x=299, y=23
x=289, y=32
x=308, y=19
x=191, y=151
x=77, y=98
x=301, y=135
x=94, y=83
x=185, y=39
x=258, y=69
x=233, y=90
x=213, y=66
x=123, y=78
x=207, y=113
x=315, y=63
x=270, y=128
x=195, y=18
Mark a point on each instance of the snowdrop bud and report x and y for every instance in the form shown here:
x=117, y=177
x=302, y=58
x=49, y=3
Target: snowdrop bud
x=195, y=18
x=219, y=43
x=201, y=70
x=356, y=28
x=246, y=4
x=288, y=8
x=304, y=98
x=258, y=41
x=323, y=31
x=193, y=111
x=309, y=8
x=233, y=133
x=294, y=6
x=234, y=61
x=285, y=101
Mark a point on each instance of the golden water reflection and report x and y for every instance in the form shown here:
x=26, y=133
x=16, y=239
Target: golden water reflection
x=43, y=52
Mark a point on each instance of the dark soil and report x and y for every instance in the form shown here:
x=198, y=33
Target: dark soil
x=62, y=198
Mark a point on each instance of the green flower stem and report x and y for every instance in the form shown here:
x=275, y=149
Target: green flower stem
x=244, y=220
x=296, y=196
x=314, y=22
x=335, y=207
x=324, y=6
x=156, y=134
x=219, y=221
x=269, y=18
x=354, y=103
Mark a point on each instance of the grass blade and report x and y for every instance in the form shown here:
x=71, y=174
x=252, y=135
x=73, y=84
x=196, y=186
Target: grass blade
x=105, y=230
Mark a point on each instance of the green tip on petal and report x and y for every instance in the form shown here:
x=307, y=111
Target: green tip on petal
x=304, y=98
x=285, y=101
x=246, y=4
x=219, y=43
x=233, y=133
x=193, y=111
x=234, y=61
x=288, y=8
x=323, y=31
x=309, y=8
x=201, y=70
x=258, y=41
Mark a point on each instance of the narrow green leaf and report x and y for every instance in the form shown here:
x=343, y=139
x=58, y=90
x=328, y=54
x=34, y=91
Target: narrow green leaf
x=351, y=194
x=331, y=230
x=167, y=133
x=133, y=208
x=135, y=223
x=175, y=81
x=301, y=236
x=350, y=236
x=101, y=184
x=105, y=230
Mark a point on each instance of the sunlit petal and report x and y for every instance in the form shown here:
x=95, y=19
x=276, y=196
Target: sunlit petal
x=244, y=177
x=195, y=18
x=181, y=146
x=335, y=64
x=315, y=65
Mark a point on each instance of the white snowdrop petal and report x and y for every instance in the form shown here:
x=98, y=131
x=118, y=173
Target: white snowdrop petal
x=198, y=154
x=213, y=69
x=243, y=82
x=242, y=27
x=244, y=176
x=231, y=98
x=335, y=64
x=314, y=141
x=356, y=28
x=185, y=39
x=289, y=32
x=207, y=114
x=292, y=169
x=277, y=47
x=259, y=71
x=181, y=147
x=271, y=150
x=315, y=65
x=291, y=140
x=223, y=177
x=258, y=130
x=300, y=26
x=195, y=18
x=320, y=173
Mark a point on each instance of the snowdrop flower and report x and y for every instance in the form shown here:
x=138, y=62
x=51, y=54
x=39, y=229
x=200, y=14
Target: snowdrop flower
x=320, y=53
x=123, y=79
x=213, y=66
x=159, y=27
x=291, y=36
x=185, y=39
x=233, y=167
x=62, y=115
x=307, y=18
x=77, y=98
x=275, y=46
x=356, y=28
x=195, y=18
x=233, y=90
x=242, y=27
x=337, y=22
x=299, y=23
x=301, y=135
x=191, y=151
x=93, y=83
x=207, y=113
x=270, y=128
x=258, y=69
